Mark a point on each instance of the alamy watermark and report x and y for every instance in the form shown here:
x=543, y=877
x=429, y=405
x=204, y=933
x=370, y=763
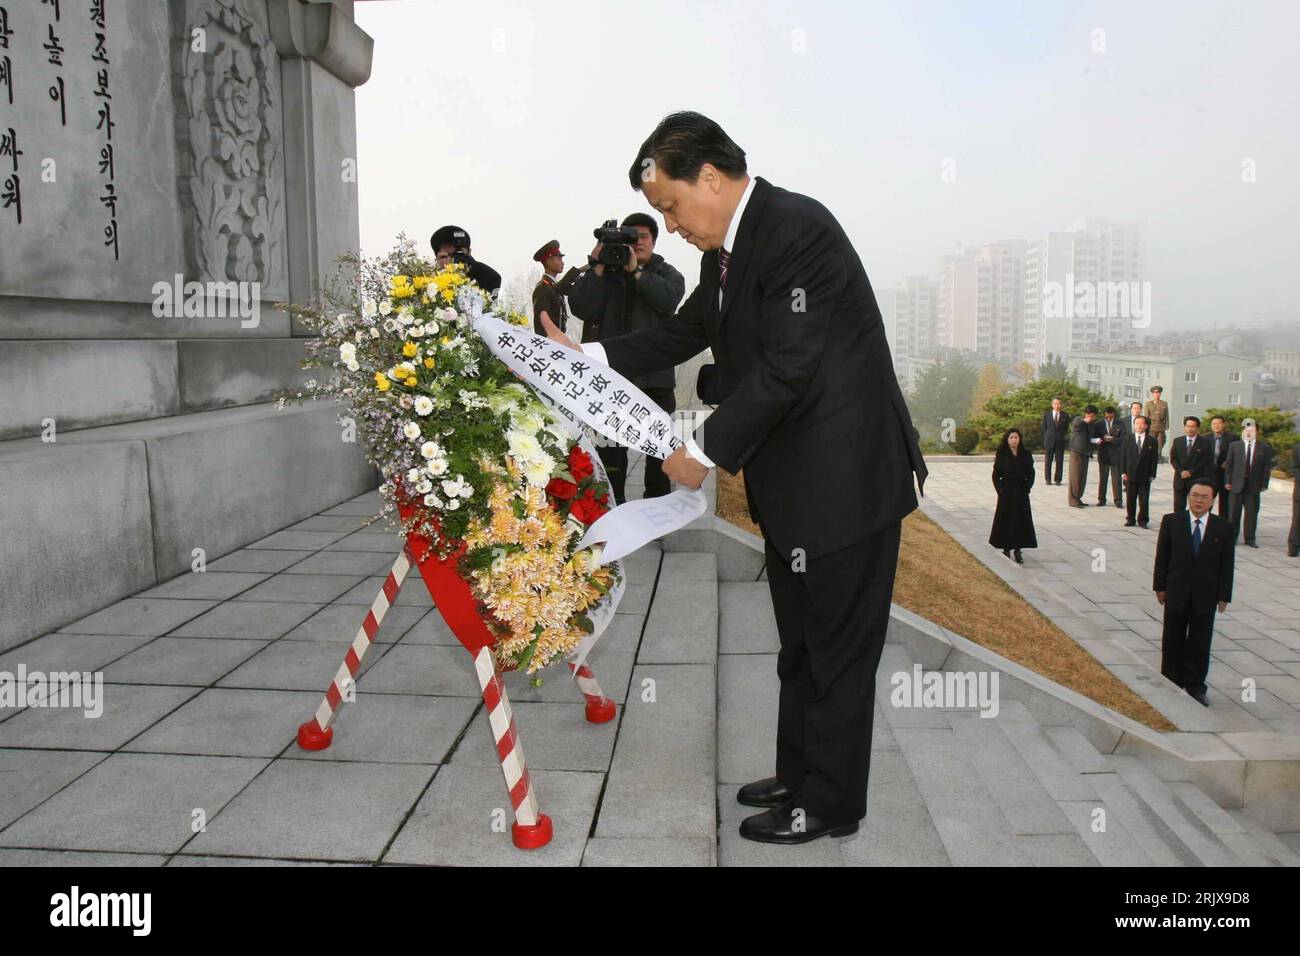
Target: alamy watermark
x=64, y=689
x=1088, y=299
x=208, y=300
x=945, y=689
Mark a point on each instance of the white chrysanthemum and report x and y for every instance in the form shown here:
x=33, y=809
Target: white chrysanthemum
x=416, y=331
x=432, y=501
x=386, y=307
x=390, y=325
x=430, y=450
x=449, y=314
x=538, y=470
x=348, y=353
x=424, y=486
x=411, y=431
x=438, y=467
x=369, y=308
x=374, y=333
x=453, y=504
x=529, y=421
x=423, y=405
x=430, y=327
x=523, y=446
x=413, y=476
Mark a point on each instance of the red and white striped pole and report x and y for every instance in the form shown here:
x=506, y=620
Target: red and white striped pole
x=531, y=829
x=316, y=733
x=600, y=709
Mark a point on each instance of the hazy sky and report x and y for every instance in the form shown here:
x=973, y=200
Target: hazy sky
x=518, y=121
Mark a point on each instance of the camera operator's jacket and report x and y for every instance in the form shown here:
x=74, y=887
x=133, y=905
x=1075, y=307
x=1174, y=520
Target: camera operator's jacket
x=601, y=302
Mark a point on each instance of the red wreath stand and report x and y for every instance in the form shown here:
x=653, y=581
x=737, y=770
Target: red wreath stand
x=453, y=598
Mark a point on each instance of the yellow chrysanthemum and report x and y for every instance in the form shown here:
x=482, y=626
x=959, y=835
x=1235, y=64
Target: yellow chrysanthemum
x=429, y=363
x=409, y=349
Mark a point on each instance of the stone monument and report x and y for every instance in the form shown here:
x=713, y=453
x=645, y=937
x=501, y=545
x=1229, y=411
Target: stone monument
x=169, y=171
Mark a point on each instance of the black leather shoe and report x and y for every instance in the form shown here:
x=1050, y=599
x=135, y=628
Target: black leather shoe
x=1130, y=524
x=1199, y=696
x=768, y=792
x=1019, y=557
x=1251, y=544
x=782, y=825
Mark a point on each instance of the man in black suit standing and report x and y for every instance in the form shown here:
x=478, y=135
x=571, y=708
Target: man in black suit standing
x=1191, y=458
x=1247, y=469
x=1138, y=455
x=1293, y=539
x=1221, y=437
x=1193, y=577
x=812, y=411
x=1056, y=435
x=1108, y=463
x=1083, y=438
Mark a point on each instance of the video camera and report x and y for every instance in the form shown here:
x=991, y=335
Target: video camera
x=616, y=242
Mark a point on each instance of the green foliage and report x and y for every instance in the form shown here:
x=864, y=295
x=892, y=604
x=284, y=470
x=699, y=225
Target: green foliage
x=1023, y=408
x=944, y=391
x=966, y=440
x=1276, y=427
x=1054, y=368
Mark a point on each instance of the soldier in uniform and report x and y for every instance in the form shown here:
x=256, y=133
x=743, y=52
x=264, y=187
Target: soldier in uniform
x=549, y=293
x=1157, y=412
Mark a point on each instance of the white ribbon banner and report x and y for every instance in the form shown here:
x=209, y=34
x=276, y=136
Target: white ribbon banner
x=591, y=394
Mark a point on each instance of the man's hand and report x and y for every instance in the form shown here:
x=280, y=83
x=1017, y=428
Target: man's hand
x=1125, y=477
x=555, y=335
x=631, y=264
x=1185, y=474
x=1227, y=485
x=1160, y=596
x=685, y=470
x=1223, y=606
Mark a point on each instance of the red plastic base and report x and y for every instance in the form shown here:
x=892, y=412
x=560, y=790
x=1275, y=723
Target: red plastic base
x=532, y=837
x=601, y=711
x=311, y=737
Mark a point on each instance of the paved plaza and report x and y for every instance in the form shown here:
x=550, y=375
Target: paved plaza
x=1092, y=577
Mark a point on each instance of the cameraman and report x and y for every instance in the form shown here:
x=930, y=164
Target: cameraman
x=612, y=301
x=451, y=244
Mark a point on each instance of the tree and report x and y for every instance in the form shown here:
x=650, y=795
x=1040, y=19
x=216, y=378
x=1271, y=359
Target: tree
x=1023, y=408
x=1276, y=427
x=943, y=397
x=990, y=385
x=1054, y=368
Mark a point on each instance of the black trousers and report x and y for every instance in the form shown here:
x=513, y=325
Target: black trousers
x=1137, y=501
x=832, y=618
x=1113, y=471
x=656, y=482
x=1056, y=454
x=1185, y=646
x=1180, y=497
x=614, y=458
x=1225, y=497
x=1249, y=503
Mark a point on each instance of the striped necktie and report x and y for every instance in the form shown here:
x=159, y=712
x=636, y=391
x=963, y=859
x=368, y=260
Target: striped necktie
x=724, y=260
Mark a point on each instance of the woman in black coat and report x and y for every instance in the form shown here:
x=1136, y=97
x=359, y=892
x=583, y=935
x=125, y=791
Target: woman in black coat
x=1013, y=476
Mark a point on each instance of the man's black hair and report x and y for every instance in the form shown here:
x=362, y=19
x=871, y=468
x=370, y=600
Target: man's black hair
x=643, y=219
x=1219, y=418
x=1207, y=482
x=680, y=145
x=1109, y=409
x=1192, y=418
x=1090, y=409
x=446, y=237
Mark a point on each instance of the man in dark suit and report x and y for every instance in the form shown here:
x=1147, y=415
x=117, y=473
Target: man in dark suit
x=1191, y=457
x=1193, y=577
x=1247, y=469
x=812, y=411
x=1221, y=437
x=1083, y=438
x=1108, y=463
x=1138, y=455
x=1293, y=539
x=1056, y=435
x=549, y=293
x=452, y=244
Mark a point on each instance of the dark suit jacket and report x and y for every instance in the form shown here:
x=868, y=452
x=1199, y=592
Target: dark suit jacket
x=1108, y=452
x=1225, y=442
x=1199, y=460
x=1140, y=469
x=810, y=406
x=1260, y=466
x=1081, y=435
x=1201, y=581
x=1056, y=435
x=548, y=297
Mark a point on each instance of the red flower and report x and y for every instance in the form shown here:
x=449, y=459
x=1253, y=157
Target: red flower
x=587, y=509
x=559, y=488
x=580, y=465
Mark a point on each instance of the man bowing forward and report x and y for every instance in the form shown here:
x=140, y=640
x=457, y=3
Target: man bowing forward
x=811, y=409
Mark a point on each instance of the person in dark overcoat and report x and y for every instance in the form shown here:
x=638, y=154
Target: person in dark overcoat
x=1013, y=476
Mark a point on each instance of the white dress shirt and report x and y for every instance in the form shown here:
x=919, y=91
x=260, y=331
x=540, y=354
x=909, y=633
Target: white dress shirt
x=597, y=351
